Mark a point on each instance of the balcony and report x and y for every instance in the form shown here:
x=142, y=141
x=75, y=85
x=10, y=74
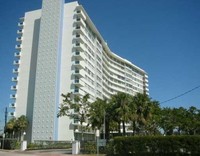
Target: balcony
x=17, y=62
x=14, y=88
x=79, y=64
x=15, y=71
x=21, y=24
x=79, y=46
x=11, y=114
x=79, y=83
x=78, y=91
x=80, y=21
x=12, y=105
x=79, y=73
x=19, y=39
x=14, y=79
x=80, y=38
x=78, y=55
x=20, y=31
x=79, y=30
x=80, y=14
x=76, y=123
x=21, y=19
x=13, y=96
x=18, y=47
x=17, y=54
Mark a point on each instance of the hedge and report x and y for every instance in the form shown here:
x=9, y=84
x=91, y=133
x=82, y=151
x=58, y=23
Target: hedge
x=155, y=145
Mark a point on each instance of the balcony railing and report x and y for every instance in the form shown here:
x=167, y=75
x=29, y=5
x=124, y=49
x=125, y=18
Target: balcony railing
x=12, y=105
x=13, y=96
x=13, y=87
x=14, y=79
x=15, y=71
x=80, y=38
x=78, y=55
x=11, y=114
x=79, y=46
x=79, y=64
x=80, y=21
x=19, y=31
x=21, y=19
x=19, y=39
x=17, y=62
x=17, y=54
x=21, y=24
x=78, y=83
x=79, y=13
x=78, y=73
x=79, y=29
x=19, y=46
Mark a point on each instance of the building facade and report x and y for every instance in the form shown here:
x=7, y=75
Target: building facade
x=59, y=50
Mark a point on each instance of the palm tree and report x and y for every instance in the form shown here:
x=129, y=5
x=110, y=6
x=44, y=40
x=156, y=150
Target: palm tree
x=16, y=126
x=167, y=121
x=10, y=127
x=194, y=124
x=141, y=103
x=122, y=111
x=97, y=113
x=21, y=124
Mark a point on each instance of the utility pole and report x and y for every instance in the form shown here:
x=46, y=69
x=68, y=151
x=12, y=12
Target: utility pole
x=6, y=116
x=104, y=125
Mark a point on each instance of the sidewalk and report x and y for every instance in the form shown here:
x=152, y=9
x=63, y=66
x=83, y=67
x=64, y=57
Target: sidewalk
x=49, y=152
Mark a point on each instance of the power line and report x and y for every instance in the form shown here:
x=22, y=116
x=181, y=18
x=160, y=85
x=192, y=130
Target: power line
x=181, y=94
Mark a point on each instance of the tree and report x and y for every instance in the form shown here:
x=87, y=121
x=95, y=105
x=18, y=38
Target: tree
x=21, y=124
x=16, y=126
x=97, y=113
x=121, y=102
x=142, y=108
x=152, y=126
x=167, y=121
x=75, y=107
x=10, y=127
x=194, y=120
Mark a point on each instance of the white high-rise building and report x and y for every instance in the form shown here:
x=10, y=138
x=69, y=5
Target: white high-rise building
x=59, y=51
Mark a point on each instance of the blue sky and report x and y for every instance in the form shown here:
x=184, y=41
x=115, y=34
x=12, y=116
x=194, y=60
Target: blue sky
x=160, y=36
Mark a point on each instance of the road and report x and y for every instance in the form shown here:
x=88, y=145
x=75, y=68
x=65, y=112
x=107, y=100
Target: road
x=36, y=153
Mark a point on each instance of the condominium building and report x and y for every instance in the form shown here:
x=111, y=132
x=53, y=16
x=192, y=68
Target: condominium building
x=59, y=50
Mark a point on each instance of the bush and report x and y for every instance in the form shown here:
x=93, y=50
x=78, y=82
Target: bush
x=49, y=145
x=109, y=149
x=11, y=144
x=89, y=147
x=154, y=145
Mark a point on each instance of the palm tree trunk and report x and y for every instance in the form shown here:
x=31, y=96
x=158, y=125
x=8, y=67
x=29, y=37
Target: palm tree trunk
x=119, y=127
x=107, y=135
x=134, y=128
x=124, y=129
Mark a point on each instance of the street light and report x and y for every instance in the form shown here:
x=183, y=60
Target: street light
x=24, y=135
x=23, y=143
x=97, y=135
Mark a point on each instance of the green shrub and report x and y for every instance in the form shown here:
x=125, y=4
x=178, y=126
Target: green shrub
x=11, y=144
x=49, y=145
x=109, y=149
x=154, y=145
x=89, y=148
